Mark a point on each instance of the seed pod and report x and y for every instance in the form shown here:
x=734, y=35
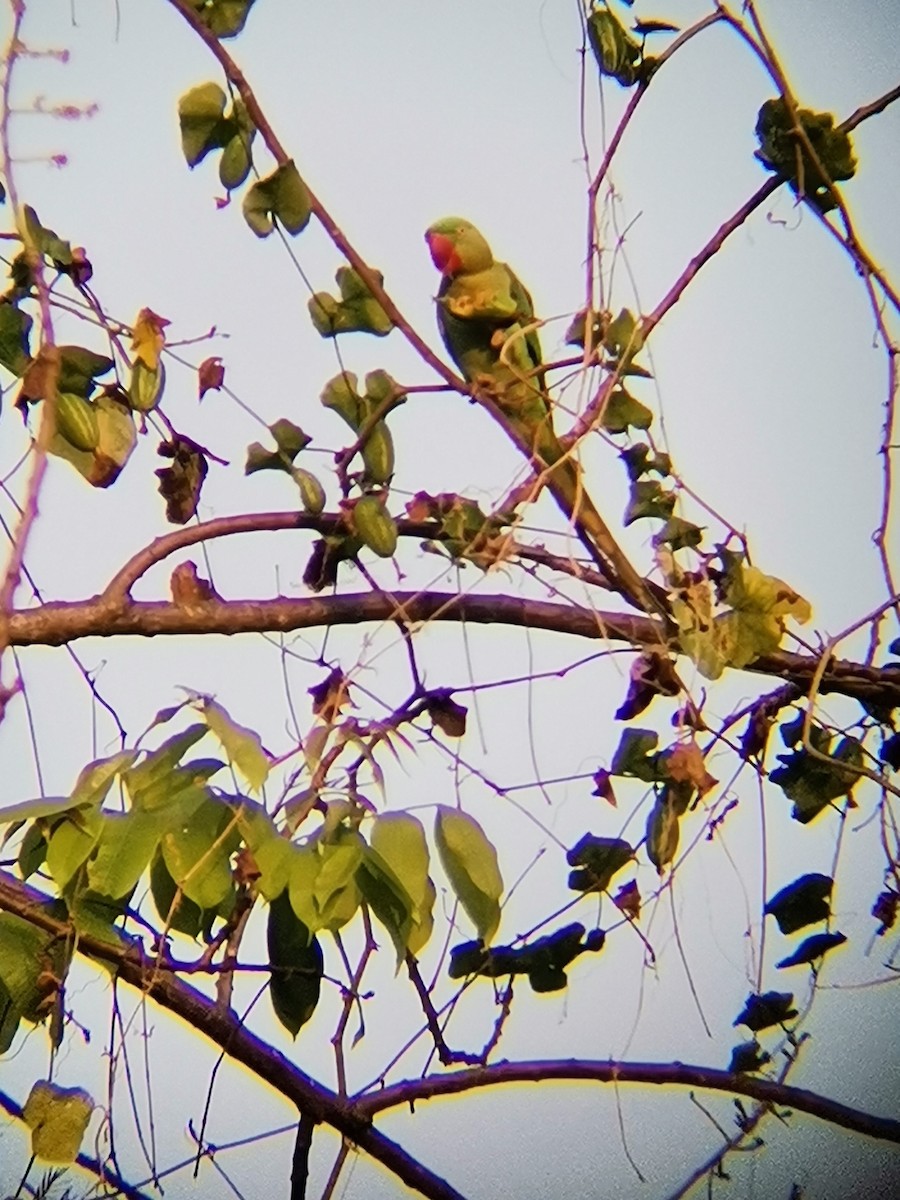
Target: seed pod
x=312, y=494
x=146, y=387
x=76, y=421
x=378, y=454
x=375, y=526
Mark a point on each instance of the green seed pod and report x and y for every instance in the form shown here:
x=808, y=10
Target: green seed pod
x=146, y=387
x=375, y=526
x=312, y=494
x=76, y=421
x=378, y=454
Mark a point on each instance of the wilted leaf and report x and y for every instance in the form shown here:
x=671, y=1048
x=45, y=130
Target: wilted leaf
x=628, y=900
x=811, y=949
x=747, y=1058
x=685, y=763
x=180, y=484
x=603, y=787
x=148, y=338
x=801, y=903
x=762, y=1011
x=635, y=755
x=597, y=860
x=210, y=376
x=330, y=696
x=812, y=784
x=446, y=714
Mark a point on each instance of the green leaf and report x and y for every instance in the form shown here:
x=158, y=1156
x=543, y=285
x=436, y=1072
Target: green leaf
x=224, y=18
x=388, y=900
x=28, y=810
x=70, y=843
x=200, y=113
x=195, y=856
x=399, y=840
x=15, y=328
x=801, y=903
x=27, y=956
x=123, y=851
x=32, y=851
x=662, y=832
x=282, y=194
x=297, y=966
x=649, y=498
x=57, y=1118
x=79, y=367
x=158, y=782
x=470, y=861
x=242, y=745
x=763, y=1011
x=624, y=412
x=812, y=784
x=323, y=887
x=811, y=949
x=44, y=240
x=271, y=852
x=289, y=438
x=782, y=150
x=597, y=860
x=95, y=780
x=187, y=918
x=355, y=310
x=9, y=1014
x=617, y=54
x=679, y=534
x=237, y=156
x=341, y=396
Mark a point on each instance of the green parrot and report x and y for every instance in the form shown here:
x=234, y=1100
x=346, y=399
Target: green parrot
x=486, y=320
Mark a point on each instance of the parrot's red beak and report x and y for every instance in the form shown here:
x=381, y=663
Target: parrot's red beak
x=443, y=253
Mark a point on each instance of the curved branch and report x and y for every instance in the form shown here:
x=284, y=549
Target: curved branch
x=315, y=1101
x=57, y=624
x=768, y=1091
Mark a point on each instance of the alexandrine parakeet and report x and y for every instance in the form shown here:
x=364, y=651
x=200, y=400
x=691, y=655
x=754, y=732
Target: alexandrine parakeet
x=486, y=319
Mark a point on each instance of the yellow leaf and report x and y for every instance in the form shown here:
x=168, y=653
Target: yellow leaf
x=148, y=338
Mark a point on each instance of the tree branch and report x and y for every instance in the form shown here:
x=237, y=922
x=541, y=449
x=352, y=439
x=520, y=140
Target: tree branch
x=62, y=622
x=314, y=1100
x=768, y=1091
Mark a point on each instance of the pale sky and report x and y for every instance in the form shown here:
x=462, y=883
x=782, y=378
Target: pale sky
x=772, y=397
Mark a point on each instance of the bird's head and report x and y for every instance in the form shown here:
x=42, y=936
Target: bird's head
x=457, y=248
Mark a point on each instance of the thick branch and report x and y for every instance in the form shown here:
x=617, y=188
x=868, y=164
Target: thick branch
x=768, y=1091
x=60, y=623
x=313, y=1099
